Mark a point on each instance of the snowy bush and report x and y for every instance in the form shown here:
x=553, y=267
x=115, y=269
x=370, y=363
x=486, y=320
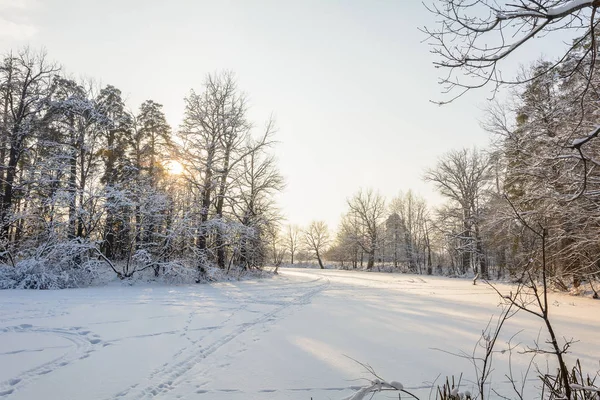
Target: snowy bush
x=178, y=273
x=64, y=265
x=43, y=274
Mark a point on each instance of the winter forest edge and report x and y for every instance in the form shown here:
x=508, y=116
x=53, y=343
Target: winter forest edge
x=93, y=192
x=90, y=187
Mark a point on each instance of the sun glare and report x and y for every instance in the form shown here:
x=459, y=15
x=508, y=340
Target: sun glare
x=174, y=167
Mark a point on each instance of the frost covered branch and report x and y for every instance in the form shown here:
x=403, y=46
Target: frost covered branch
x=471, y=38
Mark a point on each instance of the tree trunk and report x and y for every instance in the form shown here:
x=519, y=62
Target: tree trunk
x=480, y=254
x=320, y=261
x=81, y=188
x=219, y=209
x=205, y=204
x=72, y=187
x=371, y=261
x=7, y=197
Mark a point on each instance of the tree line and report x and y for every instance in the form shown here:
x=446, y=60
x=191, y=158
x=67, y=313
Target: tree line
x=537, y=173
x=85, y=182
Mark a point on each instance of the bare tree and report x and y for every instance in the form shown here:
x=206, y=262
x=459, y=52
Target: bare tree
x=369, y=208
x=278, y=248
x=472, y=38
x=251, y=199
x=462, y=176
x=215, y=135
x=292, y=240
x=407, y=225
x=346, y=247
x=316, y=239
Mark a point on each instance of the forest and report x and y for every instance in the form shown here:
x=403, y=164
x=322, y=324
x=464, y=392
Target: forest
x=89, y=186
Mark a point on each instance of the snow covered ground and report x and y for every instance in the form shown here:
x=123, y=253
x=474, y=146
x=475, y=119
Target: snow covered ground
x=281, y=338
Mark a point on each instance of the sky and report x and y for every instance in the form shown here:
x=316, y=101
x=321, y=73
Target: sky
x=349, y=83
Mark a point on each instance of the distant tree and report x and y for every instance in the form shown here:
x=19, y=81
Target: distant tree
x=350, y=233
x=75, y=122
x=317, y=239
x=394, y=234
x=369, y=208
x=462, y=176
x=278, y=248
x=292, y=240
x=407, y=225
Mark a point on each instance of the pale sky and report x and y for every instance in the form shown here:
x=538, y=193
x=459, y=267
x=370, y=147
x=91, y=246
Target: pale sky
x=348, y=82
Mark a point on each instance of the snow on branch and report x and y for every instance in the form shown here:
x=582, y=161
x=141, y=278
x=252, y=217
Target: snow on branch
x=471, y=37
x=577, y=143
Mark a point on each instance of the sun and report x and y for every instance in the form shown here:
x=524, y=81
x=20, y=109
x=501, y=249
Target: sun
x=174, y=167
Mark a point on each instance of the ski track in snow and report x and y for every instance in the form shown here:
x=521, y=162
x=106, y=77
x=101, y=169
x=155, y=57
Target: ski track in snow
x=285, y=337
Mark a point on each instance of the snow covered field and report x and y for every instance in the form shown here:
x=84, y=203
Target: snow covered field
x=281, y=338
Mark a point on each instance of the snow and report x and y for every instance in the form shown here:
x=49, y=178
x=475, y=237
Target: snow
x=579, y=141
x=293, y=336
x=569, y=7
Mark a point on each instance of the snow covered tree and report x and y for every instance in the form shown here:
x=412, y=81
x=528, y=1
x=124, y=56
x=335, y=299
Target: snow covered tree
x=81, y=174
x=152, y=140
x=555, y=186
x=253, y=205
x=227, y=168
x=548, y=173
x=25, y=88
x=407, y=231
x=471, y=39
x=151, y=148
x=118, y=170
x=462, y=177
x=76, y=121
